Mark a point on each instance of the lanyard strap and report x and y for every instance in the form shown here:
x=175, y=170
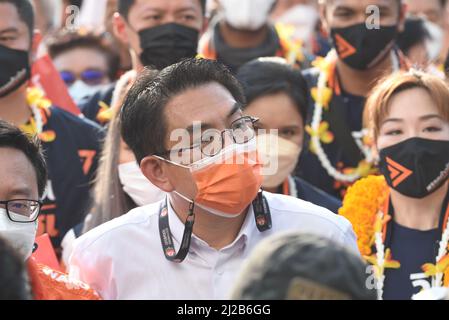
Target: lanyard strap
x=262, y=216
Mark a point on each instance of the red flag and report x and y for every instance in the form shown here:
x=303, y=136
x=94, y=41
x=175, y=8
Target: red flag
x=45, y=76
x=45, y=254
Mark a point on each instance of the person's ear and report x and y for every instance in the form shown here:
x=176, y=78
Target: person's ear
x=156, y=172
x=119, y=28
x=323, y=18
x=35, y=44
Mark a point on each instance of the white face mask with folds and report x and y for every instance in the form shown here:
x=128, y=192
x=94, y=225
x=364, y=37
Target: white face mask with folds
x=19, y=235
x=279, y=157
x=78, y=90
x=137, y=186
x=247, y=14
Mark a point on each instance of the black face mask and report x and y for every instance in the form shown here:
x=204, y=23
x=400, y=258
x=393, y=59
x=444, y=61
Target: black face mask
x=167, y=44
x=14, y=69
x=416, y=167
x=361, y=48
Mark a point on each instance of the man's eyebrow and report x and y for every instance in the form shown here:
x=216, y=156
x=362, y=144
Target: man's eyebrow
x=10, y=29
x=19, y=192
x=237, y=107
x=184, y=9
x=204, y=126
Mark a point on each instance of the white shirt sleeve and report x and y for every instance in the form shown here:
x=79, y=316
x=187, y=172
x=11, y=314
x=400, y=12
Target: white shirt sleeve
x=87, y=264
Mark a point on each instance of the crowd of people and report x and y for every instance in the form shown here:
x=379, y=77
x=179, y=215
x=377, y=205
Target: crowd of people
x=223, y=149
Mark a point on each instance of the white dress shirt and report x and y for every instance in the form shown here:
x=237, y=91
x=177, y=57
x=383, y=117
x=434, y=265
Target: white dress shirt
x=123, y=258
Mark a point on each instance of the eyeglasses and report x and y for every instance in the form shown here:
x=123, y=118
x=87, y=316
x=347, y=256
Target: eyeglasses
x=212, y=142
x=22, y=210
x=90, y=77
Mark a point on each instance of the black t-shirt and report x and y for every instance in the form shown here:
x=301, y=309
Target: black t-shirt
x=309, y=167
x=90, y=106
x=412, y=248
x=72, y=158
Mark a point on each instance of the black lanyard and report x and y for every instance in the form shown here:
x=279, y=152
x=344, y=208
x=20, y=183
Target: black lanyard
x=262, y=216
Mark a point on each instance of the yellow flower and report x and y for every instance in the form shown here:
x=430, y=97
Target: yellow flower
x=105, y=114
x=322, y=133
x=47, y=136
x=440, y=267
x=323, y=64
x=361, y=205
x=36, y=97
x=323, y=98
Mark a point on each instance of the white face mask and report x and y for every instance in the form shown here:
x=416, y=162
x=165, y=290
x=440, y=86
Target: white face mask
x=279, y=157
x=435, y=43
x=137, y=186
x=78, y=90
x=304, y=18
x=19, y=235
x=247, y=14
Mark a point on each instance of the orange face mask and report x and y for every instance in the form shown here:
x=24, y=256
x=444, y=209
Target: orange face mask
x=227, y=182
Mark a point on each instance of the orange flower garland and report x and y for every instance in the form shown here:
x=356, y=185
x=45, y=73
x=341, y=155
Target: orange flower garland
x=361, y=205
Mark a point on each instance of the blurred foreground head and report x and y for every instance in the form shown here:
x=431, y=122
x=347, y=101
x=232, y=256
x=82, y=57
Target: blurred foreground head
x=296, y=266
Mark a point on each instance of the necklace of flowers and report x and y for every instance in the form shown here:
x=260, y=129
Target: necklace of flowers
x=382, y=259
x=364, y=206
x=318, y=130
x=38, y=104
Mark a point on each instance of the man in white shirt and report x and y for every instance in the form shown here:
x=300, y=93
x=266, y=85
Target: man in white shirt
x=191, y=245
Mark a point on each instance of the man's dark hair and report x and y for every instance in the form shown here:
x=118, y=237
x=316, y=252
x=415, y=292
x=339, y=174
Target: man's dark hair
x=266, y=76
x=142, y=116
x=124, y=6
x=14, y=284
x=415, y=32
x=13, y=137
x=25, y=10
x=66, y=40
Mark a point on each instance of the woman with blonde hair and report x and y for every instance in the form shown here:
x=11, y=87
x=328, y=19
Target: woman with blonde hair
x=401, y=217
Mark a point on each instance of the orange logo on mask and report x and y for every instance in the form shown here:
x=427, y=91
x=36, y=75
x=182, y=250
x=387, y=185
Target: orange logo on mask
x=344, y=48
x=398, y=173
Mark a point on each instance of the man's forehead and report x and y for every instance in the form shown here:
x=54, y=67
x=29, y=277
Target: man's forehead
x=167, y=5
x=9, y=17
x=206, y=103
x=363, y=3
x=18, y=174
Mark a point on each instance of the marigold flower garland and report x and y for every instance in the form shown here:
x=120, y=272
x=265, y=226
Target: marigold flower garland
x=364, y=207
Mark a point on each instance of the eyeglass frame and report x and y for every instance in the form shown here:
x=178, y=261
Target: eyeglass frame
x=253, y=121
x=5, y=202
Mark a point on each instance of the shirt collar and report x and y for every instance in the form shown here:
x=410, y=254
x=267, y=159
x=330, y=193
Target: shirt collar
x=177, y=229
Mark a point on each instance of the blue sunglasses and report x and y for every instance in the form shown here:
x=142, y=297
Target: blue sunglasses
x=90, y=77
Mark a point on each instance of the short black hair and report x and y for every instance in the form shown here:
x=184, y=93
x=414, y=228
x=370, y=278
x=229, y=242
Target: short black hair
x=266, y=76
x=13, y=137
x=67, y=40
x=124, y=6
x=142, y=115
x=25, y=10
x=14, y=282
x=415, y=32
